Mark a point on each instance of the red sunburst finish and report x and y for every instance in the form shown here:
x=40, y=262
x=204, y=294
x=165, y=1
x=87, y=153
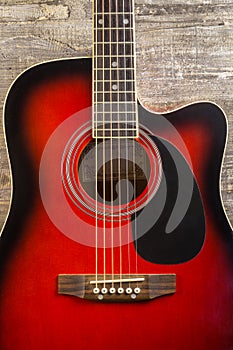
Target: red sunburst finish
x=32, y=314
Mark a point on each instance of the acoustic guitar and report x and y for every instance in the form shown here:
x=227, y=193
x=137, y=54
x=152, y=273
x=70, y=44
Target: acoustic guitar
x=116, y=237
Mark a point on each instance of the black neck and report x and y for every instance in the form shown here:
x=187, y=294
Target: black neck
x=114, y=97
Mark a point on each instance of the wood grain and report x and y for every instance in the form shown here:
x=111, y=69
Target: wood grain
x=152, y=286
x=184, y=54
x=28, y=13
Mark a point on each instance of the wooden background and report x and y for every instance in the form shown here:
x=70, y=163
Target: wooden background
x=184, y=54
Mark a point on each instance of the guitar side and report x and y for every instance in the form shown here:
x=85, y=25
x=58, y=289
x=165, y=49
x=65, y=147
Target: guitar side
x=34, y=252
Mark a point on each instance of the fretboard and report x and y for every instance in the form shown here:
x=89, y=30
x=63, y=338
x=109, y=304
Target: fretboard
x=114, y=95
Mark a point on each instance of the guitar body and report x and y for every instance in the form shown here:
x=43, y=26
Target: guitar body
x=35, y=249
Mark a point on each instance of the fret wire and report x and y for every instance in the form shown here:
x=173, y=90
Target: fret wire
x=113, y=31
x=112, y=80
x=104, y=50
x=124, y=86
x=116, y=129
x=108, y=98
x=114, y=43
x=115, y=134
x=114, y=115
x=118, y=135
x=122, y=120
x=113, y=13
x=115, y=111
x=110, y=124
x=113, y=102
x=113, y=119
x=108, y=131
x=105, y=131
x=113, y=28
x=113, y=56
x=111, y=36
x=109, y=69
x=114, y=92
x=110, y=108
x=101, y=75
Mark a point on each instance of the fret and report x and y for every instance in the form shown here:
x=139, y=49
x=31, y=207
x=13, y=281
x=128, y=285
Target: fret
x=116, y=21
x=114, y=116
x=114, y=97
x=124, y=20
x=113, y=49
x=111, y=119
x=106, y=56
x=113, y=35
x=114, y=70
x=114, y=107
x=115, y=87
x=113, y=63
x=112, y=125
x=117, y=129
x=114, y=113
x=113, y=75
x=115, y=134
x=114, y=43
x=113, y=92
x=114, y=13
x=113, y=29
x=107, y=81
x=117, y=125
x=109, y=102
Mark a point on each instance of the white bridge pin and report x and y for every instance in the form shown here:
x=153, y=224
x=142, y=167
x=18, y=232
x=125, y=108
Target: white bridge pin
x=112, y=290
x=96, y=290
x=137, y=290
x=128, y=290
x=120, y=290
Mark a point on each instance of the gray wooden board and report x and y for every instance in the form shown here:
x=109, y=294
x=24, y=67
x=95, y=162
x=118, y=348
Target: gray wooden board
x=184, y=54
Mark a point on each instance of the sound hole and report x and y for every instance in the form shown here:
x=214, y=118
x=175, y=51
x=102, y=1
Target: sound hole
x=112, y=177
x=122, y=167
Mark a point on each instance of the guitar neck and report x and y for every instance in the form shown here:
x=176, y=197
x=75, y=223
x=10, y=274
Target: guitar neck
x=114, y=95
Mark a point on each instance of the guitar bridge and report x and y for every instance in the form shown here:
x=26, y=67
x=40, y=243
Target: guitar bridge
x=117, y=288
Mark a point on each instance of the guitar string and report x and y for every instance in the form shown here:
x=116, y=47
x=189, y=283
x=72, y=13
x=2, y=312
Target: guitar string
x=133, y=63
x=111, y=149
x=96, y=144
x=119, y=152
x=126, y=142
x=103, y=151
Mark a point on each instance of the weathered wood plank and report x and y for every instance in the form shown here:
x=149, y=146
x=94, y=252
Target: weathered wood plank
x=15, y=2
x=178, y=13
x=184, y=54
x=33, y=12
